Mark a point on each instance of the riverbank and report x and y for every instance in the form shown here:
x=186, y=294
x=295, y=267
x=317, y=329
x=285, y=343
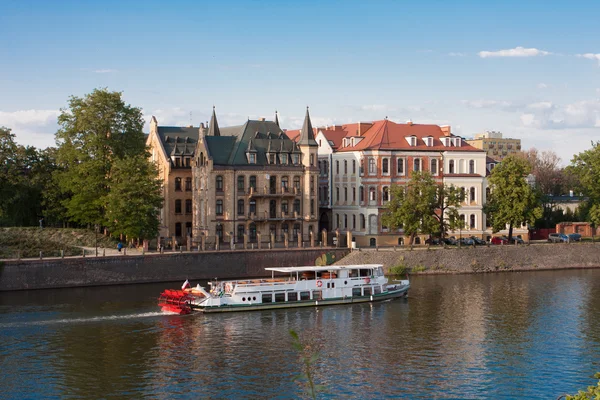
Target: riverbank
x=481, y=259
x=148, y=268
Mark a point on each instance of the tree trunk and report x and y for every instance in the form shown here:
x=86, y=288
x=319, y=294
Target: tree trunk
x=510, y=231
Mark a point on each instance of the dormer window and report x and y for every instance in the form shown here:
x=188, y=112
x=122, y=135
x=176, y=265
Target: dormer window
x=251, y=158
x=457, y=141
x=283, y=157
x=428, y=141
x=412, y=140
x=272, y=158
x=446, y=141
x=296, y=158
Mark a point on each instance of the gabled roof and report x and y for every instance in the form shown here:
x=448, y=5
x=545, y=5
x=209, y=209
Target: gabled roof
x=178, y=141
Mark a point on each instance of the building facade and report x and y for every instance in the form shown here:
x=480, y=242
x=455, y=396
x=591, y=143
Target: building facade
x=251, y=182
x=495, y=145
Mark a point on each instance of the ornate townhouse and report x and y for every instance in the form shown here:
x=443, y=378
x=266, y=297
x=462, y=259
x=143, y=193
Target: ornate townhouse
x=359, y=162
x=172, y=149
x=253, y=180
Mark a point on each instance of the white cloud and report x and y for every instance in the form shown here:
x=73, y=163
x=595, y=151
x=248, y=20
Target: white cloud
x=32, y=127
x=516, y=52
x=456, y=54
x=590, y=56
x=546, y=115
x=542, y=86
x=491, y=104
x=105, y=71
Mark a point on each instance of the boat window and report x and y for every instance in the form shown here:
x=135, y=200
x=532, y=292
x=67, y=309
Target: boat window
x=292, y=296
x=332, y=285
x=267, y=298
x=356, y=292
x=353, y=273
x=367, y=290
x=377, y=290
x=317, y=295
x=243, y=299
x=328, y=285
x=304, y=295
x=279, y=297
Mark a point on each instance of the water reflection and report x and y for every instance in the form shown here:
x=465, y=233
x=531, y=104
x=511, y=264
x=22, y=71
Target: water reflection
x=529, y=335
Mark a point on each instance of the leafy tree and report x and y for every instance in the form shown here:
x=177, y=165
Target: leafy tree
x=586, y=166
x=96, y=130
x=511, y=201
x=592, y=392
x=134, y=200
x=423, y=205
x=8, y=171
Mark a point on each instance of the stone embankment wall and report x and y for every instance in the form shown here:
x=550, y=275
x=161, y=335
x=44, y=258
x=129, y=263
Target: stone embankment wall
x=115, y=270
x=483, y=259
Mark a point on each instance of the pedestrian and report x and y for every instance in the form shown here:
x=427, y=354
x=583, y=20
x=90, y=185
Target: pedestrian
x=119, y=246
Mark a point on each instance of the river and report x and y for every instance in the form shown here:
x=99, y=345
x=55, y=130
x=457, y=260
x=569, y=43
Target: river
x=533, y=335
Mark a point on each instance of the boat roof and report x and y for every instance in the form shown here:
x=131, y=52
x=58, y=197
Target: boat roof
x=312, y=268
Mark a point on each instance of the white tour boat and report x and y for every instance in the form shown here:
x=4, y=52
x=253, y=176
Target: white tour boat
x=292, y=287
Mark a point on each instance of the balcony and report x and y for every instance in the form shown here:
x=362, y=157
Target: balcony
x=277, y=216
x=273, y=192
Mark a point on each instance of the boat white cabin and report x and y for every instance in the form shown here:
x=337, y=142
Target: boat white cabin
x=298, y=287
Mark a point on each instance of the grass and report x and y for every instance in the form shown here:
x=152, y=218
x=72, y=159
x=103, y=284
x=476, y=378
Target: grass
x=28, y=242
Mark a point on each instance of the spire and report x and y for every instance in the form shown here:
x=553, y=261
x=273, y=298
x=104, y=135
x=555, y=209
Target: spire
x=213, y=130
x=276, y=118
x=307, y=135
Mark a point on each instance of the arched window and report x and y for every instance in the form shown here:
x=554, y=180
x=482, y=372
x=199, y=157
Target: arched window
x=297, y=206
x=353, y=221
x=451, y=166
x=312, y=185
x=372, y=194
x=219, y=232
x=417, y=164
x=240, y=232
x=252, y=182
x=178, y=229
x=345, y=221
x=188, y=184
x=337, y=194
x=472, y=194
x=472, y=222
x=252, y=207
x=461, y=218
x=372, y=166
x=385, y=166
x=285, y=184
x=252, y=232
x=462, y=194
x=240, y=209
x=297, y=183
x=487, y=193
x=219, y=207
x=240, y=183
x=177, y=206
x=361, y=194
x=188, y=206
x=284, y=229
x=297, y=231
x=219, y=183
x=353, y=167
x=337, y=167
x=362, y=221
x=345, y=193
x=434, y=166
x=386, y=194
x=345, y=167
x=353, y=194
x=472, y=166
x=400, y=166
x=178, y=184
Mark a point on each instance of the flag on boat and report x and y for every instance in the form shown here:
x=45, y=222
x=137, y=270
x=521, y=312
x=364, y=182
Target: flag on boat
x=185, y=285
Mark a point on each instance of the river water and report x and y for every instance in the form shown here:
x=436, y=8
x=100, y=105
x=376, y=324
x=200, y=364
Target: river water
x=509, y=335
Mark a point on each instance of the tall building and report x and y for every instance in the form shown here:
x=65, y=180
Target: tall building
x=359, y=163
x=253, y=180
x=172, y=149
x=495, y=145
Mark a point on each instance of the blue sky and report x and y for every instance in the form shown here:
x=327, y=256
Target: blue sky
x=528, y=69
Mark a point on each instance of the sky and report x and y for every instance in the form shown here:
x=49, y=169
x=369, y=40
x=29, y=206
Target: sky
x=529, y=69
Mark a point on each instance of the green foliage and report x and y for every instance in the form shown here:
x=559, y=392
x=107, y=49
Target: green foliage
x=511, y=201
x=592, y=393
x=586, y=166
x=325, y=259
x=422, y=206
x=398, y=270
x=308, y=358
x=134, y=200
x=418, y=268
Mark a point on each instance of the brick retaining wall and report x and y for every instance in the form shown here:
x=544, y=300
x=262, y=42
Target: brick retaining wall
x=92, y=271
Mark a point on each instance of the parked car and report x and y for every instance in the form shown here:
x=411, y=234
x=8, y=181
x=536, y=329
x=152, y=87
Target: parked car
x=574, y=237
x=499, y=240
x=557, y=238
x=478, y=241
x=450, y=241
x=465, y=241
x=434, y=241
x=516, y=239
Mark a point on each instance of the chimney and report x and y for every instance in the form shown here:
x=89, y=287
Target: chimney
x=261, y=119
x=446, y=130
x=409, y=122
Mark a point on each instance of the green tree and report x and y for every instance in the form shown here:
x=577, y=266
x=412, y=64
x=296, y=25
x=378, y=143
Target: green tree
x=423, y=206
x=135, y=198
x=511, y=201
x=592, y=392
x=95, y=131
x=586, y=166
x=8, y=171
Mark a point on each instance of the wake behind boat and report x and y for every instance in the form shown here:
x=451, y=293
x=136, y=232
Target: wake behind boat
x=302, y=287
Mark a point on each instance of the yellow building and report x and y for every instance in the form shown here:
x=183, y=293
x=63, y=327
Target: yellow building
x=495, y=145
